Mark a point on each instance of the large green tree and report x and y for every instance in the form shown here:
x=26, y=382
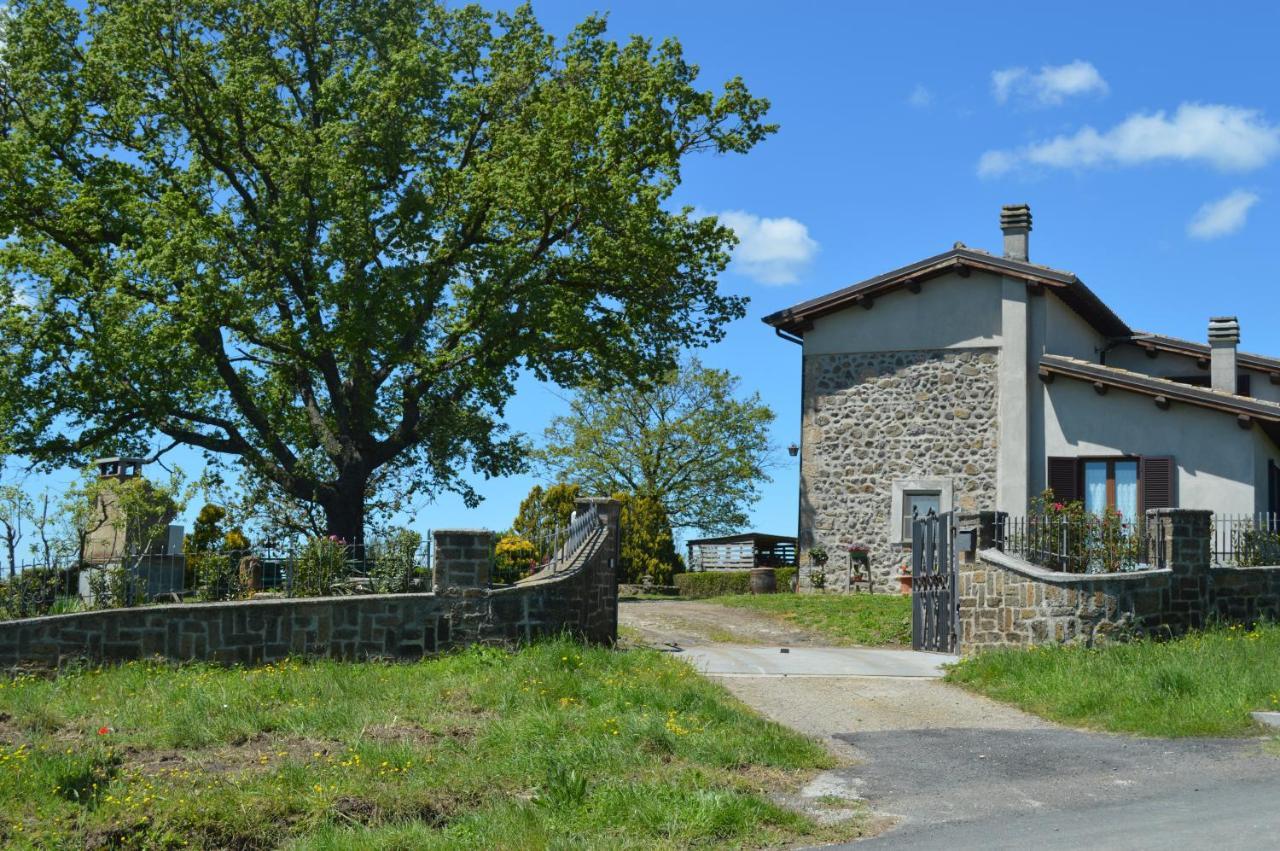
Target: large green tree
x=687, y=440
x=323, y=237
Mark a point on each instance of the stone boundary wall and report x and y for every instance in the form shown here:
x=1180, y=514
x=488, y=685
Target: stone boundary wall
x=581, y=599
x=1005, y=601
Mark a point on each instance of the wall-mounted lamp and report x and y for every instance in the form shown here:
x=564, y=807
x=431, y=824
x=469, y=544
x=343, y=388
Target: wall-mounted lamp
x=793, y=450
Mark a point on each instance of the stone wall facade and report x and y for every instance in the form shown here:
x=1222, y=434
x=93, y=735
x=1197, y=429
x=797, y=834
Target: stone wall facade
x=1005, y=601
x=580, y=599
x=873, y=419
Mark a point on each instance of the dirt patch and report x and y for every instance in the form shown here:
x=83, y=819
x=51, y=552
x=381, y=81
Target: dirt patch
x=10, y=734
x=686, y=623
x=413, y=734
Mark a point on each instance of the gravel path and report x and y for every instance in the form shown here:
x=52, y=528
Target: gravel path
x=693, y=622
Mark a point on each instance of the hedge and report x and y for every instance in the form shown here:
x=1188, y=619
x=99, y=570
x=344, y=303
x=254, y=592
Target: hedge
x=715, y=583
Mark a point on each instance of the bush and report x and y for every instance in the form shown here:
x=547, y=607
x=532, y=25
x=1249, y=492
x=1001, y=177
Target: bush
x=217, y=575
x=33, y=592
x=114, y=587
x=321, y=564
x=391, y=560
x=513, y=558
x=717, y=583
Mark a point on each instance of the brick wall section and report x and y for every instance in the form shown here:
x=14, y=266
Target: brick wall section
x=1007, y=602
x=875, y=418
x=581, y=600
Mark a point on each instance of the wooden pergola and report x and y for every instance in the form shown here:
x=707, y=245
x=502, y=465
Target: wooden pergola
x=742, y=552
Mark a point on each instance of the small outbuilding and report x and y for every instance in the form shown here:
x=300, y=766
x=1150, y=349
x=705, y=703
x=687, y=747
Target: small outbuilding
x=742, y=552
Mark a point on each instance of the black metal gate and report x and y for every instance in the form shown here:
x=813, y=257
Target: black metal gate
x=935, y=615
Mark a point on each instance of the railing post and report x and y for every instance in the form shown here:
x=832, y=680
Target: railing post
x=991, y=526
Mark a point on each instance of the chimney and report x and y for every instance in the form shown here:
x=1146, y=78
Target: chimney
x=1224, y=336
x=1015, y=221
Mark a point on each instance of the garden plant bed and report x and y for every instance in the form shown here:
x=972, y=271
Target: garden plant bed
x=1203, y=684
x=551, y=745
x=868, y=620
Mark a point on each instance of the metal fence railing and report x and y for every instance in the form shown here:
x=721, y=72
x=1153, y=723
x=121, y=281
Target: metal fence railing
x=316, y=568
x=1075, y=543
x=1246, y=540
x=563, y=542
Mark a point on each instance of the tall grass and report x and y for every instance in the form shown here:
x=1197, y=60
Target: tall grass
x=844, y=619
x=554, y=745
x=1204, y=684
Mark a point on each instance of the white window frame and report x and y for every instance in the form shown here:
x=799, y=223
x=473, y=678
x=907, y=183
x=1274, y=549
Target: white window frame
x=901, y=488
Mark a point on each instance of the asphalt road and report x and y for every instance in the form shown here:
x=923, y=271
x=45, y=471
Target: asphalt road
x=1055, y=788
x=1233, y=816
x=958, y=771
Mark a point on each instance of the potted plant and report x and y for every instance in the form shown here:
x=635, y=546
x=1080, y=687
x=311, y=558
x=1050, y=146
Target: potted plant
x=818, y=572
x=859, y=555
x=904, y=578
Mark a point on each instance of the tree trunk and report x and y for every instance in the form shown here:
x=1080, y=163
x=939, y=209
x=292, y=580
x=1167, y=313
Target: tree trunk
x=344, y=512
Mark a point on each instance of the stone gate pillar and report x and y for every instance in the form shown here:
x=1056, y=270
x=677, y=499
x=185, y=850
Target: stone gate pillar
x=462, y=560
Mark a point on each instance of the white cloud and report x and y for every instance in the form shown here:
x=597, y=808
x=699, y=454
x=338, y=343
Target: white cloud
x=771, y=251
x=920, y=97
x=1228, y=138
x=1224, y=216
x=1051, y=85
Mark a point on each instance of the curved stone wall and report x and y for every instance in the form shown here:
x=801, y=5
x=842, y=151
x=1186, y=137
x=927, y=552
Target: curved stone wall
x=581, y=600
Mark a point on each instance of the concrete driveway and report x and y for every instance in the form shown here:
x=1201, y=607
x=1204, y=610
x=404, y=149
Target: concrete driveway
x=728, y=660
x=955, y=770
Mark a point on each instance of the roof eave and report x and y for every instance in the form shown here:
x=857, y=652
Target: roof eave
x=1156, y=387
x=799, y=318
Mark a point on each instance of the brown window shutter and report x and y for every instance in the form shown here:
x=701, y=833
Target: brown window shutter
x=1064, y=479
x=1156, y=477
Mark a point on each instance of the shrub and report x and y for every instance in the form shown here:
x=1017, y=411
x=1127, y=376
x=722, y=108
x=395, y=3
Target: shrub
x=320, y=564
x=648, y=548
x=217, y=576
x=514, y=557
x=32, y=592
x=392, y=559
x=717, y=583
x=114, y=587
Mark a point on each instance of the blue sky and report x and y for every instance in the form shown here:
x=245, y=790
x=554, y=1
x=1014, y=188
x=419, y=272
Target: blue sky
x=1145, y=137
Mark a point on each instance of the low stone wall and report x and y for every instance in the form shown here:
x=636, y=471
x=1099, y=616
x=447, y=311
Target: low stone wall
x=581, y=600
x=1005, y=601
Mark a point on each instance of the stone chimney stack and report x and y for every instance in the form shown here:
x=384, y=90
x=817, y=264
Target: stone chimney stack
x=1015, y=221
x=1224, y=336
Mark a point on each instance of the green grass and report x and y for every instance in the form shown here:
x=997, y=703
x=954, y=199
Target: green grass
x=1204, y=684
x=551, y=746
x=846, y=619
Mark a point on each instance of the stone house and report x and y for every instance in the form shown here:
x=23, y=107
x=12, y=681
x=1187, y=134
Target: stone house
x=974, y=381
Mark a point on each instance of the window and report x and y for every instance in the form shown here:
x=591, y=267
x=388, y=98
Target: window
x=1112, y=483
x=1126, y=484
x=915, y=495
x=918, y=504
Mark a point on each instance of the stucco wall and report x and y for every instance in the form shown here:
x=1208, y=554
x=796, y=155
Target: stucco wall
x=873, y=419
x=1173, y=365
x=1215, y=459
x=1066, y=333
x=949, y=312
